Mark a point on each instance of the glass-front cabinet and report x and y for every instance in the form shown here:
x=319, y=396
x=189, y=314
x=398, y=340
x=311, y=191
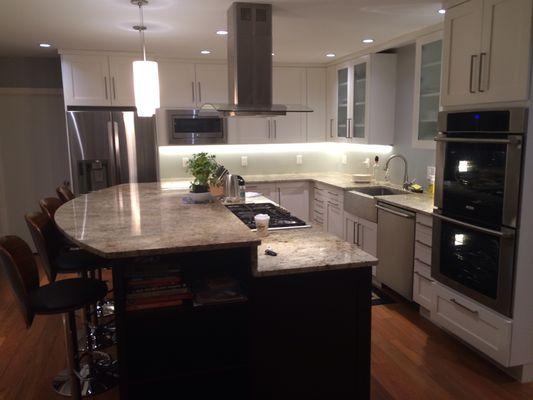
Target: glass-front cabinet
x=427, y=90
x=364, y=96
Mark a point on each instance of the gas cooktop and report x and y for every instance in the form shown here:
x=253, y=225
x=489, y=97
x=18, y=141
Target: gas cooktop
x=279, y=217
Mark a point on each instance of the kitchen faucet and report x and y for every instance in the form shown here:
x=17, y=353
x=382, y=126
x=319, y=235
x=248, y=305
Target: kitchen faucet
x=405, y=176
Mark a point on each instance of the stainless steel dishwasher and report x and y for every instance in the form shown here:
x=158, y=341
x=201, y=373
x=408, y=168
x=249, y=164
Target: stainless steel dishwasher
x=396, y=243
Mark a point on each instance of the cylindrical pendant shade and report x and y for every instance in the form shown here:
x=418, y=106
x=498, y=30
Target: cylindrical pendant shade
x=146, y=87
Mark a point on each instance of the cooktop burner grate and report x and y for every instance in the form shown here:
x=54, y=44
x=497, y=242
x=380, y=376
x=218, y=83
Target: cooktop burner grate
x=279, y=217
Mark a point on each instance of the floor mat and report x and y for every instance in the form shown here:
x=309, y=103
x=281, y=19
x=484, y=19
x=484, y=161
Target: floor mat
x=379, y=298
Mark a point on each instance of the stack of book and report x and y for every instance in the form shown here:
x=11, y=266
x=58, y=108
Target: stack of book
x=218, y=289
x=156, y=290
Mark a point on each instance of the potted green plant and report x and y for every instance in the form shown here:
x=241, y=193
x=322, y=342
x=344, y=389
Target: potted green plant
x=202, y=167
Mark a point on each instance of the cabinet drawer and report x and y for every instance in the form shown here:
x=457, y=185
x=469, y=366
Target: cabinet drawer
x=422, y=252
x=423, y=290
x=422, y=268
x=319, y=204
x=424, y=221
x=423, y=235
x=475, y=324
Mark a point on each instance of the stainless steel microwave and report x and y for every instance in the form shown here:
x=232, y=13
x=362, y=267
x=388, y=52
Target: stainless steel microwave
x=188, y=127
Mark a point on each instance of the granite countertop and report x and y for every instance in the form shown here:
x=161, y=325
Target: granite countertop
x=146, y=219
x=308, y=249
x=417, y=202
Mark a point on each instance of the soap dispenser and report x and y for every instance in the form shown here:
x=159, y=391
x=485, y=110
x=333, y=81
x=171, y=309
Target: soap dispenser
x=375, y=171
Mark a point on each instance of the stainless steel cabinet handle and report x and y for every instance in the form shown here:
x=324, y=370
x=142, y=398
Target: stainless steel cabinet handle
x=424, y=225
x=423, y=244
x=320, y=201
x=268, y=128
x=105, y=87
x=424, y=277
x=114, y=90
x=199, y=91
x=480, y=77
x=511, y=140
x=472, y=57
x=358, y=225
x=193, y=94
x=335, y=205
x=275, y=129
x=399, y=214
x=331, y=128
x=474, y=227
x=475, y=312
x=349, y=128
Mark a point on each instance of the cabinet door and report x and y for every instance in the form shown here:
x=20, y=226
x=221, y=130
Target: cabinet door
x=178, y=88
x=86, y=80
x=294, y=197
x=335, y=220
x=505, y=50
x=249, y=130
x=289, y=86
x=211, y=83
x=121, y=75
x=350, y=228
x=316, y=100
x=358, y=123
x=426, y=105
x=462, y=43
x=368, y=236
x=343, y=116
x=269, y=190
x=331, y=103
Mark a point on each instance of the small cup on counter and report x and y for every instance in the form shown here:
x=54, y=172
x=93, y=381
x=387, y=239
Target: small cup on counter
x=261, y=222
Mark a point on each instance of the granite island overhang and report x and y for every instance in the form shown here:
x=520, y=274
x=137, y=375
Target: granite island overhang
x=306, y=312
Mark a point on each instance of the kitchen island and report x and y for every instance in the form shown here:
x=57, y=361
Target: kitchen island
x=299, y=325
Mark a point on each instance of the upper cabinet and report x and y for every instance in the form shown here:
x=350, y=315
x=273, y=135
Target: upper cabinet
x=427, y=90
x=487, y=48
x=316, y=100
x=188, y=85
x=361, y=104
x=97, y=80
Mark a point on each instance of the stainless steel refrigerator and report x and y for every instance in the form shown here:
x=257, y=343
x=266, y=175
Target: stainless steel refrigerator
x=110, y=147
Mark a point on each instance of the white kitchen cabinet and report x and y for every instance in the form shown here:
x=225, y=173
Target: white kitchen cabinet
x=487, y=50
x=423, y=286
x=177, y=84
x=328, y=206
x=249, y=130
x=86, y=80
x=121, y=75
x=365, y=100
x=362, y=233
x=426, y=104
x=335, y=220
x=211, y=83
x=294, y=196
x=316, y=100
x=477, y=325
x=331, y=103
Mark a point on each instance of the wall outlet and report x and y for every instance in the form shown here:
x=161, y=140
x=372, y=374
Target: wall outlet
x=431, y=172
x=344, y=159
x=299, y=159
x=244, y=161
x=184, y=162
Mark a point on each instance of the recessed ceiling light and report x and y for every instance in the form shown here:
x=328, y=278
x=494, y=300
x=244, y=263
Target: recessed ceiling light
x=330, y=55
x=368, y=40
x=442, y=11
x=45, y=45
x=205, y=52
x=222, y=32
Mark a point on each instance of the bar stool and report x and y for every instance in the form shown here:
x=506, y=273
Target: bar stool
x=61, y=297
x=64, y=193
x=49, y=206
x=57, y=261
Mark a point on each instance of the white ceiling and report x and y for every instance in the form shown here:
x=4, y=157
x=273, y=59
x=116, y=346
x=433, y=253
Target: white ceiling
x=304, y=30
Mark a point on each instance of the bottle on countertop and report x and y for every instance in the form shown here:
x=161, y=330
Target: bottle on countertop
x=242, y=188
x=375, y=171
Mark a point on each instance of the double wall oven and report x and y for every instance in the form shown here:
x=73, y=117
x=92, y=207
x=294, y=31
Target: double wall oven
x=479, y=162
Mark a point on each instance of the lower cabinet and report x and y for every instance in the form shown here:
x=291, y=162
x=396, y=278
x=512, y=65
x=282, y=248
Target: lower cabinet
x=473, y=323
x=362, y=233
x=423, y=286
x=328, y=209
x=293, y=196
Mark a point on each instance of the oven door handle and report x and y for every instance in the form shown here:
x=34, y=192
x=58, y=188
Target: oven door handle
x=474, y=227
x=511, y=140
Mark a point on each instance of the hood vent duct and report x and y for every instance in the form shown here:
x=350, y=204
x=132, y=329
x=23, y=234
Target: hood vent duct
x=250, y=64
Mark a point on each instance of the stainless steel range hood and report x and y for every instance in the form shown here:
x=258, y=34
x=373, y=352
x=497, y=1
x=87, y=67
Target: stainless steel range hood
x=250, y=64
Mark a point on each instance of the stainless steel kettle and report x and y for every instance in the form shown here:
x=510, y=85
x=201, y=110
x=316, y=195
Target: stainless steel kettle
x=231, y=186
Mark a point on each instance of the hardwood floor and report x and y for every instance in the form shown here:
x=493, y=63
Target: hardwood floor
x=411, y=359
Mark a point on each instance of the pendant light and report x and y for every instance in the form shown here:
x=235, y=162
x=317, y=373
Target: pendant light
x=145, y=74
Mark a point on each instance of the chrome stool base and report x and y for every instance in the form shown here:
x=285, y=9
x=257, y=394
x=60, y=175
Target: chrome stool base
x=101, y=337
x=93, y=381
x=105, y=308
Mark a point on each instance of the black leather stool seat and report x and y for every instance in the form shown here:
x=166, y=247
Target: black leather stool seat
x=66, y=295
x=78, y=260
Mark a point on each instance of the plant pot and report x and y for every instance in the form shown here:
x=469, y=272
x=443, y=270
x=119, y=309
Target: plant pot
x=199, y=188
